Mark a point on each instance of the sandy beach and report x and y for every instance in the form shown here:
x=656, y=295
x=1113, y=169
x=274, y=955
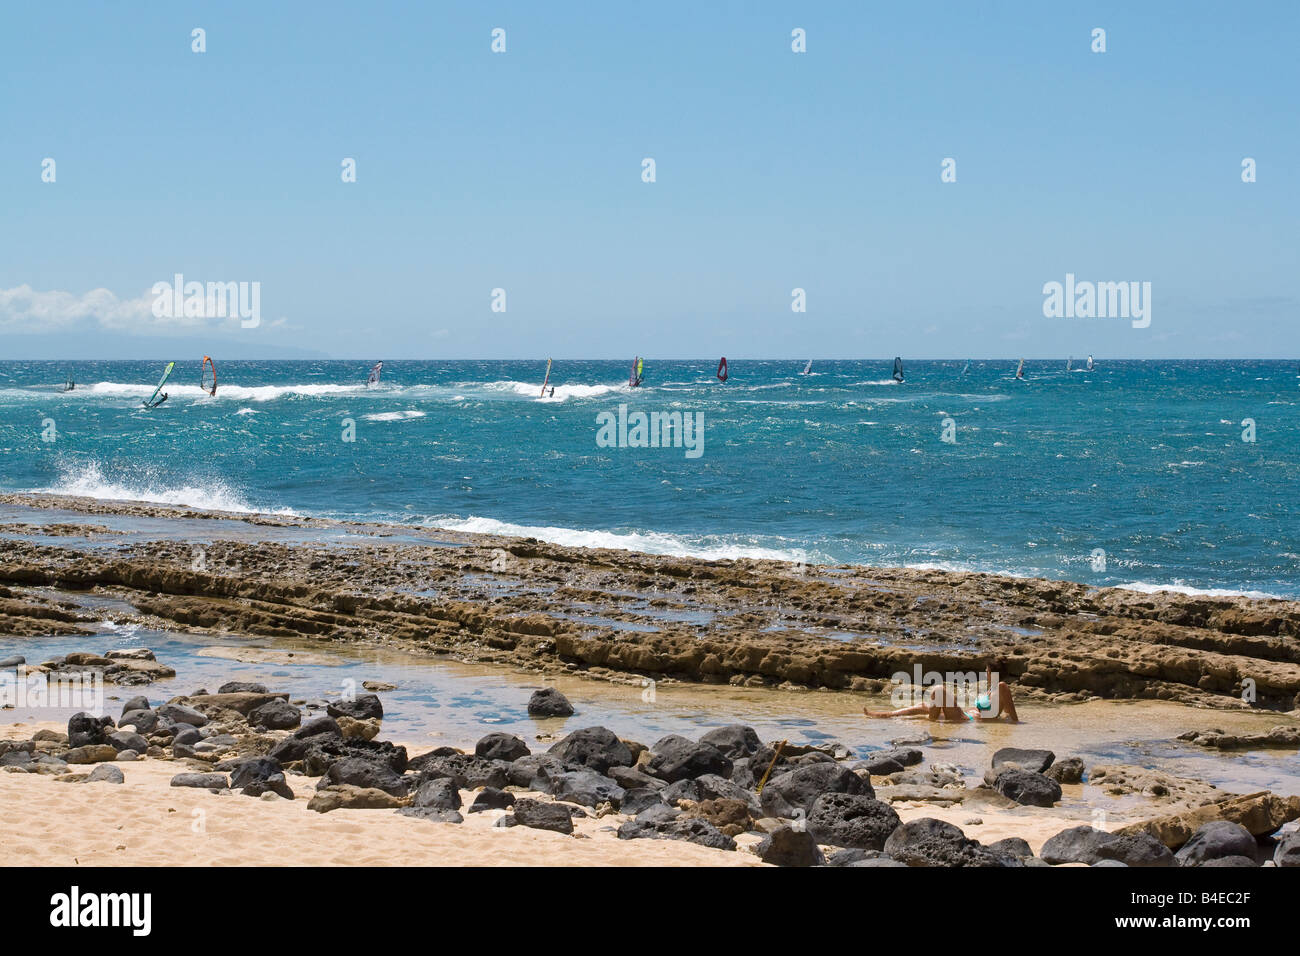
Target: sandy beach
x=146, y=822
x=45, y=821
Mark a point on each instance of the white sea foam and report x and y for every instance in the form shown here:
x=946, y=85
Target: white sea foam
x=1145, y=587
x=261, y=393
x=89, y=481
x=563, y=393
x=710, y=547
x=393, y=416
x=963, y=567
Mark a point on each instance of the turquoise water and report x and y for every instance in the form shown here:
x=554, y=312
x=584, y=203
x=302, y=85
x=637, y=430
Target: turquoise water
x=1143, y=461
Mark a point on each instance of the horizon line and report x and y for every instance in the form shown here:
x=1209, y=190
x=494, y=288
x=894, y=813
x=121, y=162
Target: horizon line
x=534, y=358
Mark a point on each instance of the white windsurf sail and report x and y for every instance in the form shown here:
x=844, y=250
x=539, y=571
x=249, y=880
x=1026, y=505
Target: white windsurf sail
x=547, y=379
x=376, y=370
x=807, y=369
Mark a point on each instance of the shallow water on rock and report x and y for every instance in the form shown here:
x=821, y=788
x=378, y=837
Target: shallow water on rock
x=600, y=620
x=124, y=529
x=440, y=701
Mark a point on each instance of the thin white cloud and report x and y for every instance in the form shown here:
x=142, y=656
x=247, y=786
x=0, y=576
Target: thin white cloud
x=23, y=309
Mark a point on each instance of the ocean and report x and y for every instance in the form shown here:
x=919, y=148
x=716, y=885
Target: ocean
x=1139, y=474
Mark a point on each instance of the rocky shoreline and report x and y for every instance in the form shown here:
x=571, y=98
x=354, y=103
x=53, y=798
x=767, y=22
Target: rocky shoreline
x=625, y=616
x=543, y=609
x=805, y=805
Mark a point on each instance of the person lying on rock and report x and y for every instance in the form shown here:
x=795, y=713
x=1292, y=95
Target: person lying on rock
x=940, y=703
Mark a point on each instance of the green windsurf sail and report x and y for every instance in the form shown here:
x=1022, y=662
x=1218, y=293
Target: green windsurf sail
x=154, y=401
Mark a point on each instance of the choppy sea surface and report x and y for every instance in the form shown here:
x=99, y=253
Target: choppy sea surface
x=1135, y=474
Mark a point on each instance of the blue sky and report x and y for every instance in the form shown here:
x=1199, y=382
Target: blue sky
x=775, y=170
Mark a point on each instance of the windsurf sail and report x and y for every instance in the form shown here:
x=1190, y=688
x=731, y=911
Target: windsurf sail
x=547, y=379
x=638, y=367
x=807, y=369
x=208, y=376
x=1020, y=369
x=898, y=369
x=966, y=368
x=1089, y=363
x=69, y=385
x=375, y=371
x=154, y=399
x=1069, y=363
x=722, y=369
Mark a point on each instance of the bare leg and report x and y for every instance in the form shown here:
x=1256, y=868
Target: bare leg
x=901, y=712
x=1006, y=705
